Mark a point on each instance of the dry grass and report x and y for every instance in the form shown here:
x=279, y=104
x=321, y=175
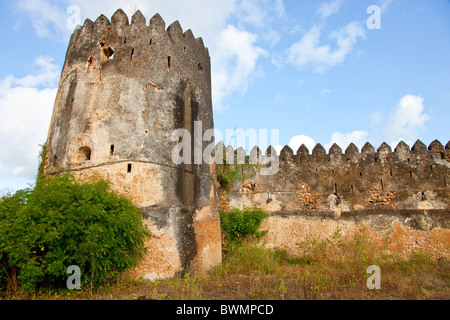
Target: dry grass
x=334, y=269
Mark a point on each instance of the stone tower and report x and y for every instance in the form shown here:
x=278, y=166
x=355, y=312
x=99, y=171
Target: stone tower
x=124, y=89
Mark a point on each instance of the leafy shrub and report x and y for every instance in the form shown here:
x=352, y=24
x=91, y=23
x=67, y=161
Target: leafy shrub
x=62, y=223
x=238, y=224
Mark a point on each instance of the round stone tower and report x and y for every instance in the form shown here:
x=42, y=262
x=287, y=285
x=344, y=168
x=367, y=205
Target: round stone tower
x=124, y=89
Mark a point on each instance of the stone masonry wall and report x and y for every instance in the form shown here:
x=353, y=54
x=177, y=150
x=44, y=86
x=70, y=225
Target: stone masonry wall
x=402, y=196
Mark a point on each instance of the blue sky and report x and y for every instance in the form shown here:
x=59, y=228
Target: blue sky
x=311, y=69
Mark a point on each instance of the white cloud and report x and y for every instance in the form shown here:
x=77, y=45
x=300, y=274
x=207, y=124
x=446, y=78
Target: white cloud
x=235, y=63
x=344, y=139
x=404, y=124
x=45, y=17
x=327, y=9
x=47, y=75
x=384, y=4
x=26, y=112
x=279, y=8
x=297, y=141
x=272, y=37
x=376, y=118
x=258, y=13
x=251, y=12
x=308, y=50
x=325, y=92
x=407, y=120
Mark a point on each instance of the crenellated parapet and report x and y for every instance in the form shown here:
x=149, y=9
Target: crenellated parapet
x=372, y=178
x=137, y=48
x=336, y=156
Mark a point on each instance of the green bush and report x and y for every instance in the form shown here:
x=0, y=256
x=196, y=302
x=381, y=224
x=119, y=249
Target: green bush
x=238, y=224
x=61, y=223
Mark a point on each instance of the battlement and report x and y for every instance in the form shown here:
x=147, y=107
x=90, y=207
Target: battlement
x=138, y=49
x=372, y=180
x=335, y=155
x=352, y=174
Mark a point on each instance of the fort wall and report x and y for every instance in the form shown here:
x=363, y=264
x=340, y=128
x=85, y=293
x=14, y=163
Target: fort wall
x=398, y=194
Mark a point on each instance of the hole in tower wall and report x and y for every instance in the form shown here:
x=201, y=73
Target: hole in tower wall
x=129, y=168
x=84, y=154
x=423, y=197
x=200, y=68
x=91, y=62
x=411, y=174
x=151, y=41
x=132, y=55
x=125, y=40
x=351, y=187
x=108, y=53
x=111, y=151
x=169, y=63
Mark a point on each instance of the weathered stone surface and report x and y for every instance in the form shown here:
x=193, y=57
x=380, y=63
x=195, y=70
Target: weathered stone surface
x=352, y=149
x=403, y=194
x=395, y=232
x=124, y=89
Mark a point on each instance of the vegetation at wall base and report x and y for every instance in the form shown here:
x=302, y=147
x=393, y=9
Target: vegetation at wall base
x=239, y=224
x=332, y=269
x=60, y=223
